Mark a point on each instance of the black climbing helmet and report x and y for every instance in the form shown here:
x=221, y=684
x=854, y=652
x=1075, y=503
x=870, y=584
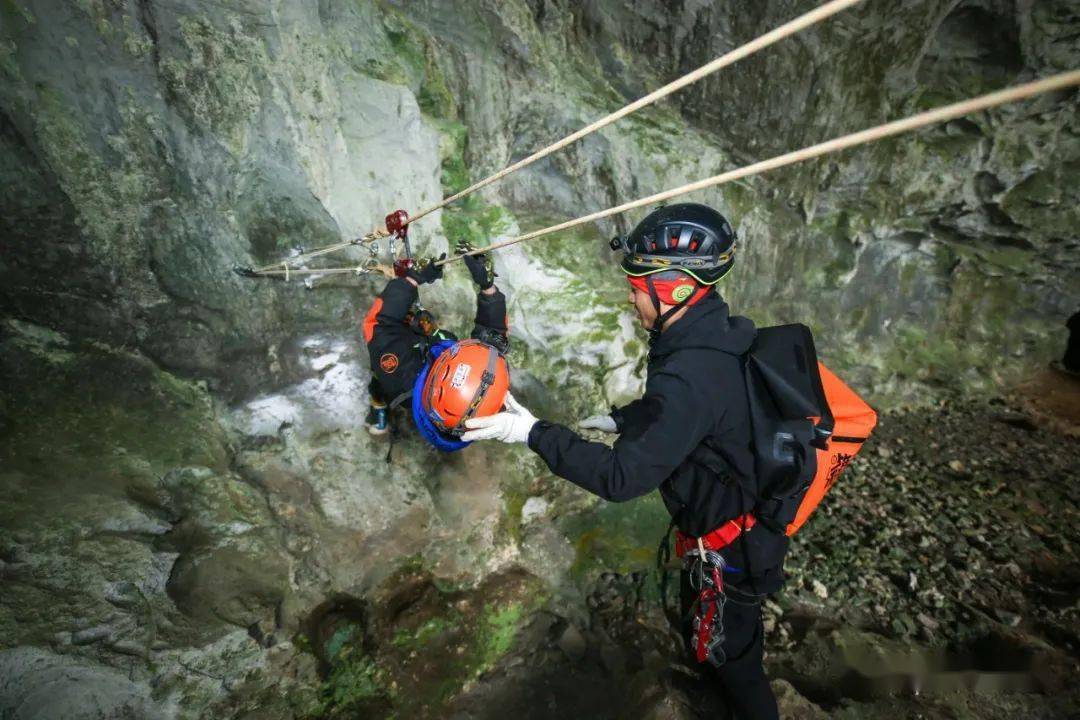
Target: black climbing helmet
x=687, y=237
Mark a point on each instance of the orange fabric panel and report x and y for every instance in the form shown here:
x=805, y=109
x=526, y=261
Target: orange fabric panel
x=854, y=421
x=854, y=418
x=371, y=319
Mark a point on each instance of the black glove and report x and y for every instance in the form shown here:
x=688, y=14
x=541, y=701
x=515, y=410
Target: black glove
x=429, y=272
x=481, y=267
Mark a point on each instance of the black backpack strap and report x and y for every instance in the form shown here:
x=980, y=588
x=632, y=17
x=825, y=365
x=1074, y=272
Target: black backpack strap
x=397, y=402
x=663, y=556
x=824, y=428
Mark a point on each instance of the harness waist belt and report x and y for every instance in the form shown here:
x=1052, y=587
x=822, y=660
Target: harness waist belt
x=718, y=539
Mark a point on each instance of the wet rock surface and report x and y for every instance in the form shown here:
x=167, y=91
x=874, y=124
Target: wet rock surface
x=239, y=574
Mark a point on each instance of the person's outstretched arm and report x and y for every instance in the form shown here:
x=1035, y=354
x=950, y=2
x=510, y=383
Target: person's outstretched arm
x=491, y=324
x=669, y=422
x=672, y=422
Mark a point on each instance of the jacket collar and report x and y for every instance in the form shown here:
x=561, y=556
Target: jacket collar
x=708, y=325
x=684, y=328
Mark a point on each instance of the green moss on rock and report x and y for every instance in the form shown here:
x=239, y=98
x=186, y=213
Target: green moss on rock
x=113, y=198
x=443, y=642
x=618, y=537
x=217, y=84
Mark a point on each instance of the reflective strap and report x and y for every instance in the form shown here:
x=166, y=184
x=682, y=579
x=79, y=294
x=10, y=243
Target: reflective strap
x=692, y=262
x=396, y=402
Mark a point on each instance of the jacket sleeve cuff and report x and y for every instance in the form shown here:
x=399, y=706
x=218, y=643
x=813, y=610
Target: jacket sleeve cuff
x=496, y=296
x=536, y=432
x=402, y=288
x=617, y=416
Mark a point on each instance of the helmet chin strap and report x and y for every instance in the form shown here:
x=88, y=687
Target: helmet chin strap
x=662, y=317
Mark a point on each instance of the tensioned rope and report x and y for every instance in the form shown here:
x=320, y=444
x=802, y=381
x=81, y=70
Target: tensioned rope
x=896, y=127
x=285, y=265
x=787, y=29
x=790, y=28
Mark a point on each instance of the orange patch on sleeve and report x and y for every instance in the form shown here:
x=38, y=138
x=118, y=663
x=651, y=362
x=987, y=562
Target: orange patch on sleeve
x=389, y=363
x=371, y=319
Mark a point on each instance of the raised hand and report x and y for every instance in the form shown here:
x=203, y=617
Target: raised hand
x=481, y=267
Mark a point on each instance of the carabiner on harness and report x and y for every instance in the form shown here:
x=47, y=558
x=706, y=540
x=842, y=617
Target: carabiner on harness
x=706, y=569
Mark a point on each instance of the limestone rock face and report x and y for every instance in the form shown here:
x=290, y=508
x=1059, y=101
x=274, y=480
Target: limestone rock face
x=36, y=685
x=151, y=148
x=155, y=147
x=193, y=520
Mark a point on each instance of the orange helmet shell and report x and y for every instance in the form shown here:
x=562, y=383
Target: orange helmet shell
x=469, y=379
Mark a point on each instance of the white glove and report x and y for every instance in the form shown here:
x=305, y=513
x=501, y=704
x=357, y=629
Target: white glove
x=511, y=426
x=603, y=423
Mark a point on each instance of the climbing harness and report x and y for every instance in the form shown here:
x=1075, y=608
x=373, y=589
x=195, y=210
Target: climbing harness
x=705, y=566
x=397, y=222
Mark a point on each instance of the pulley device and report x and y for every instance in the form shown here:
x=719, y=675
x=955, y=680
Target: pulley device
x=397, y=224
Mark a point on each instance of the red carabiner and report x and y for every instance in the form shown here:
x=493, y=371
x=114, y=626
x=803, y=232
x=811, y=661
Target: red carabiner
x=706, y=623
x=402, y=266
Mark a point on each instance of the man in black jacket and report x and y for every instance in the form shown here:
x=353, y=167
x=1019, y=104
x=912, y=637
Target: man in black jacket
x=399, y=332
x=688, y=436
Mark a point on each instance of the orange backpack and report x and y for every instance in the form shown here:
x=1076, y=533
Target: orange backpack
x=853, y=421
x=807, y=425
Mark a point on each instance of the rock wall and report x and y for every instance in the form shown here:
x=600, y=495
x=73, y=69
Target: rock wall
x=188, y=499
x=156, y=147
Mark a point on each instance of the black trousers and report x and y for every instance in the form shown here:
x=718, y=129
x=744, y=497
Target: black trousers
x=376, y=392
x=742, y=678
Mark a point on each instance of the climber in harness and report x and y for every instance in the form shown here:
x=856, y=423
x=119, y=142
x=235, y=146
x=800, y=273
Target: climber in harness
x=415, y=362
x=694, y=393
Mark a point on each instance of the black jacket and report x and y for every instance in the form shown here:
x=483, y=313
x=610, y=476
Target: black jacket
x=398, y=350
x=694, y=392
